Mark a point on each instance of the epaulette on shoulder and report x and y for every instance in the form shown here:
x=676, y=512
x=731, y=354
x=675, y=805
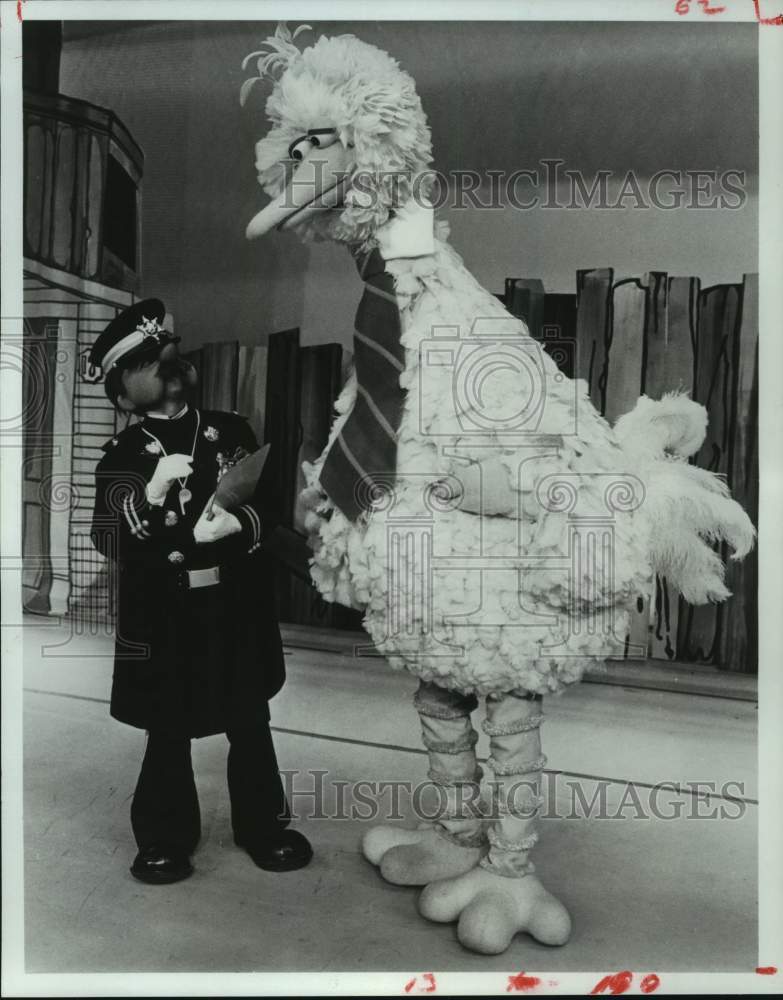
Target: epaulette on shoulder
x=121, y=437
x=226, y=419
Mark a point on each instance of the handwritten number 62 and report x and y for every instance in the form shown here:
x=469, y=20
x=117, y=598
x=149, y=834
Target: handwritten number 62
x=682, y=7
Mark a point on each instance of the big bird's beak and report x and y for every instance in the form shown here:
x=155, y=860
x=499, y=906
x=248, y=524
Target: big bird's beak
x=319, y=183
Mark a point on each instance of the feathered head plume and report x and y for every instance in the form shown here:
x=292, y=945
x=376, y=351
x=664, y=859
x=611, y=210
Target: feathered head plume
x=356, y=89
x=281, y=52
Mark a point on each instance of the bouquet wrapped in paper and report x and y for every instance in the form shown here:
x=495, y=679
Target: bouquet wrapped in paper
x=238, y=482
x=236, y=486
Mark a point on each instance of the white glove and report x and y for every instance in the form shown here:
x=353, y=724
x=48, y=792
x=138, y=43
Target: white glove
x=220, y=526
x=169, y=469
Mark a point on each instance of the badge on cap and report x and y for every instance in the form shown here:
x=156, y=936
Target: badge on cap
x=150, y=328
x=128, y=332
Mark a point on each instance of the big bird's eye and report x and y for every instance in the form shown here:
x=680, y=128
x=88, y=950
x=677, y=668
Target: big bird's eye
x=316, y=137
x=299, y=148
x=322, y=137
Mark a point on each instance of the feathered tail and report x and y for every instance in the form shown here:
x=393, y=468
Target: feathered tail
x=687, y=509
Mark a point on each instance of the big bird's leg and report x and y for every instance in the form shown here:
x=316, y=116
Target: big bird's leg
x=502, y=896
x=455, y=842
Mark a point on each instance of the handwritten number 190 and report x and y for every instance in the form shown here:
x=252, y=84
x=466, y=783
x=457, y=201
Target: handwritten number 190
x=621, y=981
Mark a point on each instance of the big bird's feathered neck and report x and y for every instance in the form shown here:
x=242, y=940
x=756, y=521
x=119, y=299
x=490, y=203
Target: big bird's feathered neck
x=409, y=233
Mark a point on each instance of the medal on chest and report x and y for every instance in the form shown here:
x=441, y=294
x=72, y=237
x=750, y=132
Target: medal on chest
x=185, y=496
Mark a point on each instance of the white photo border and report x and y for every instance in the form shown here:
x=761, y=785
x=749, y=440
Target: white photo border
x=18, y=983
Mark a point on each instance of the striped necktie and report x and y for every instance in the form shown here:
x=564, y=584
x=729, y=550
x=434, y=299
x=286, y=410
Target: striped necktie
x=364, y=454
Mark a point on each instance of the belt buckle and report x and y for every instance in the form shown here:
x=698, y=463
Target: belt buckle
x=197, y=578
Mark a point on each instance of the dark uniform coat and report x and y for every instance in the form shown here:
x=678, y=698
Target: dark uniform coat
x=188, y=661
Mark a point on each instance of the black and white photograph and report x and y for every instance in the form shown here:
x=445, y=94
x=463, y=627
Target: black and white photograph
x=391, y=556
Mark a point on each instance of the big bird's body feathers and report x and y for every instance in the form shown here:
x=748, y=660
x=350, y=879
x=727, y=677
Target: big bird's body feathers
x=504, y=611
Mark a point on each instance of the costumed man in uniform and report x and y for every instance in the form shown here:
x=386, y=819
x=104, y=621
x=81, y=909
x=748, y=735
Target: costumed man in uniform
x=198, y=649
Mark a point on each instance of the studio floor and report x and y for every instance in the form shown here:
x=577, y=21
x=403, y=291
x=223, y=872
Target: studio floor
x=675, y=894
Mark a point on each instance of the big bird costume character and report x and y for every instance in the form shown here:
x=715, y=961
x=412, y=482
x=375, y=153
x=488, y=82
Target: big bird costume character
x=492, y=526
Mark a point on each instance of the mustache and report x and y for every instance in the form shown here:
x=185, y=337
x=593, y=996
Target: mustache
x=176, y=368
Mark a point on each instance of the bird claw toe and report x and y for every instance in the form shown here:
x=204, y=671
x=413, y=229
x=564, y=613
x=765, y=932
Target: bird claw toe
x=417, y=857
x=491, y=909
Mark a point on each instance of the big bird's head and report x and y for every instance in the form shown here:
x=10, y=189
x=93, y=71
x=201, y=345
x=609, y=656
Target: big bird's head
x=349, y=142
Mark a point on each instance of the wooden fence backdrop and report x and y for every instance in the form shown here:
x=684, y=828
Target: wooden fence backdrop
x=651, y=335
x=624, y=337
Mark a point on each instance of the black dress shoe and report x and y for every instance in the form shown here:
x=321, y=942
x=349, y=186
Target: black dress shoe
x=159, y=865
x=285, y=852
